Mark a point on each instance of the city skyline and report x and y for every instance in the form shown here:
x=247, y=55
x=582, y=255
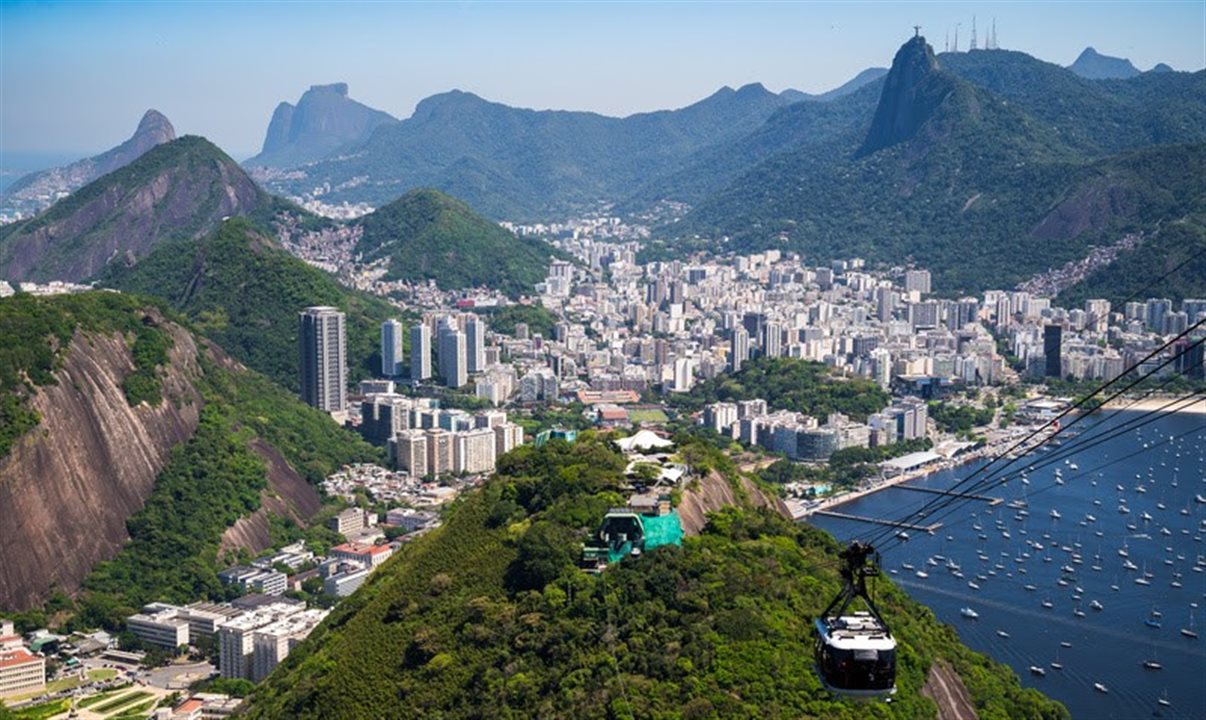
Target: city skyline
x=118, y=59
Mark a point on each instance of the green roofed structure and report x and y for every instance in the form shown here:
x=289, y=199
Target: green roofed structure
x=625, y=532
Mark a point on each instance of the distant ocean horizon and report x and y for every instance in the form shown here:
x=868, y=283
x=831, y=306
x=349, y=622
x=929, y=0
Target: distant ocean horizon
x=1107, y=646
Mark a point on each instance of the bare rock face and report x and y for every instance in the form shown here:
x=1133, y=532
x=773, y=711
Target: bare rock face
x=912, y=92
x=715, y=492
x=69, y=485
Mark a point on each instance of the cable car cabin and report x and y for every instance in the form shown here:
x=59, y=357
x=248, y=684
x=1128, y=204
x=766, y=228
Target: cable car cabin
x=856, y=655
x=855, y=652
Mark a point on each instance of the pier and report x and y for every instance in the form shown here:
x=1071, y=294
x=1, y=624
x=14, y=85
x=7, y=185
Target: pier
x=880, y=521
x=951, y=493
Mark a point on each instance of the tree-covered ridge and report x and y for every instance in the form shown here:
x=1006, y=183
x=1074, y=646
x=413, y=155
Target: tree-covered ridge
x=240, y=289
x=429, y=235
x=210, y=482
x=792, y=384
x=489, y=618
x=999, y=182
x=36, y=332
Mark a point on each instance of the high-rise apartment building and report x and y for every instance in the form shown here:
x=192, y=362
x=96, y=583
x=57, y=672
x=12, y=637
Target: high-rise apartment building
x=475, y=344
x=1052, y=343
x=391, y=348
x=739, y=348
x=918, y=280
x=453, y=357
x=322, y=341
x=420, y=352
x=409, y=451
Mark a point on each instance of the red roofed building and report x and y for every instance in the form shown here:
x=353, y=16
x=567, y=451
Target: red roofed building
x=370, y=555
x=21, y=672
x=188, y=710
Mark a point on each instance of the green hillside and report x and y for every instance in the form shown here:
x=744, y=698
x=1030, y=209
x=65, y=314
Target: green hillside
x=210, y=481
x=488, y=617
x=242, y=290
x=429, y=235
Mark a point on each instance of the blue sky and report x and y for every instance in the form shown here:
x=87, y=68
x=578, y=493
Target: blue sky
x=77, y=76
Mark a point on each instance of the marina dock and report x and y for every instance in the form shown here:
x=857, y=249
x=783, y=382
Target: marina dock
x=880, y=521
x=952, y=493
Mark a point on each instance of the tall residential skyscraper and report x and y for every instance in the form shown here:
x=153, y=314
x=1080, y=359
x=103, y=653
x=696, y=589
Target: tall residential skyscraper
x=420, y=352
x=391, y=348
x=918, y=280
x=322, y=341
x=453, y=360
x=1052, y=342
x=475, y=343
x=739, y=349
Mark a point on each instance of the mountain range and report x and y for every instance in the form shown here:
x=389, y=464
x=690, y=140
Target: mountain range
x=517, y=163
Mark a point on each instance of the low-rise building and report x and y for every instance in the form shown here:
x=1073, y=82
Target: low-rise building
x=370, y=556
x=344, y=583
x=162, y=626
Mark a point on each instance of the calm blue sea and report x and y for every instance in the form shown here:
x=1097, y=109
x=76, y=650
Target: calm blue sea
x=1107, y=646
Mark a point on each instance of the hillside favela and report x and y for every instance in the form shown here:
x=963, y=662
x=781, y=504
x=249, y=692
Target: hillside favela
x=603, y=361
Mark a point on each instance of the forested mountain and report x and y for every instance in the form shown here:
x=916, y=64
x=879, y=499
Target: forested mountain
x=323, y=120
x=426, y=234
x=177, y=190
x=148, y=443
x=241, y=289
x=488, y=616
x=36, y=191
x=966, y=180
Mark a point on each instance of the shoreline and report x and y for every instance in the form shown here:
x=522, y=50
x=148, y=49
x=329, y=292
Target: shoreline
x=1148, y=404
x=832, y=501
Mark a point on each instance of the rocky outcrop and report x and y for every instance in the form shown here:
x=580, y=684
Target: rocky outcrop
x=323, y=120
x=68, y=486
x=1092, y=65
x=913, y=90
x=713, y=492
x=181, y=189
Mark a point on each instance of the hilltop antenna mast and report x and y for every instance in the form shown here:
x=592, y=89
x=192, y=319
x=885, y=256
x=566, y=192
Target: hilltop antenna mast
x=973, y=39
x=946, y=45
x=995, y=46
x=956, y=49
